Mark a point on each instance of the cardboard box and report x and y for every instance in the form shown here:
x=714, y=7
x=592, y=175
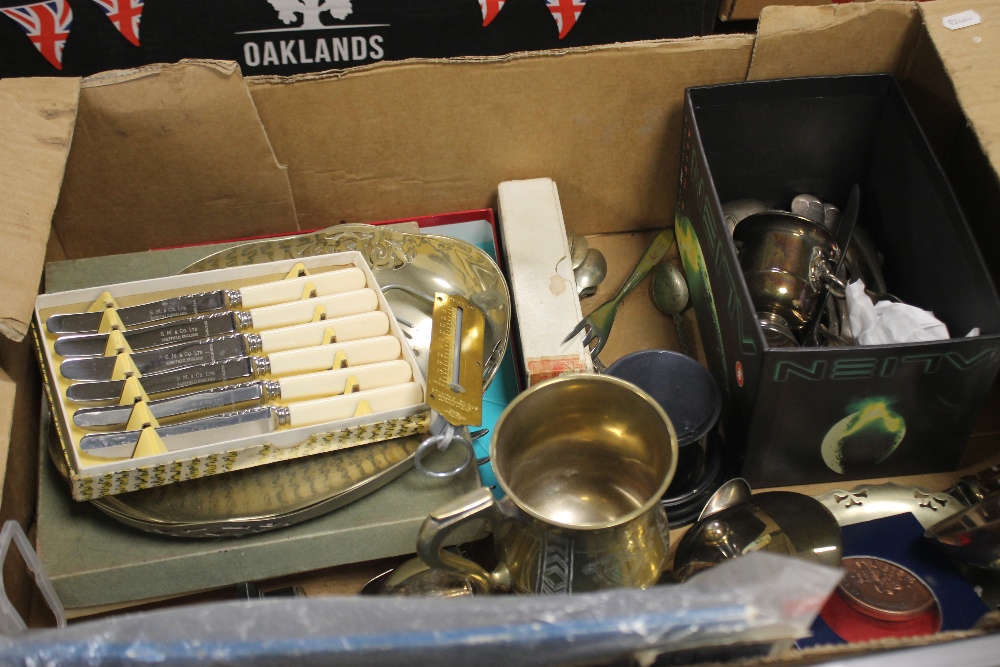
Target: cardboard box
x=804, y=415
x=295, y=36
x=749, y=10
x=192, y=152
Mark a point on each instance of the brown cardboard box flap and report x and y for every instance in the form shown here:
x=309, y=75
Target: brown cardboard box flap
x=7, y=390
x=34, y=140
x=169, y=154
x=836, y=39
x=971, y=56
x=749, y=10
x=420, y=137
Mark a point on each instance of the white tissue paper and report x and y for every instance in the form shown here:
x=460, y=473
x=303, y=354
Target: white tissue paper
x=888, y=322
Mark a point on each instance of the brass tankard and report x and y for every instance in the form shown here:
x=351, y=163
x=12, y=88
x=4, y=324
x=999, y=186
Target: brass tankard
x=584, y=461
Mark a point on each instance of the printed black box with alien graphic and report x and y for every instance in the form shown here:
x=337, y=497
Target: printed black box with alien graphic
x=797, y=415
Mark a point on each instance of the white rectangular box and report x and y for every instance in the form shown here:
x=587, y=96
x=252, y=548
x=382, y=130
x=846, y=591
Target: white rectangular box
x=542, y=283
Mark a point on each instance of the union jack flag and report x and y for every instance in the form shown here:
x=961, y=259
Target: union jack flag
x=490, y=10
x=565, y=12
x=125, y=15
x=47, y=26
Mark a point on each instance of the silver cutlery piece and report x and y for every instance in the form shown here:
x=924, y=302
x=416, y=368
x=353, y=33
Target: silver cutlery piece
x=259, y=392
x=671, y=295
x=809, y=207
x=578, y=247
x=209, y=326
x=734, y=211
x=289, y=362
x=255, y=421
x=597, y=325
x=156, y=360
x=590, y=273
x=253, y=296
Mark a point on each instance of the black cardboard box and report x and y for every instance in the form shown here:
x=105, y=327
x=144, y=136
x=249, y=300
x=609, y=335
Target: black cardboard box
x=82, y=37
x=873, y=411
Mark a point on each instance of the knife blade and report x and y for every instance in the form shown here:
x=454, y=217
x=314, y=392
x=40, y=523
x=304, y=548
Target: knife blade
x=289, y=362
x=227, y=322
x=260, y=392
x=191, y=329
x=252, y=296
x=255, y=421
x=156, y=360
x=160, y=359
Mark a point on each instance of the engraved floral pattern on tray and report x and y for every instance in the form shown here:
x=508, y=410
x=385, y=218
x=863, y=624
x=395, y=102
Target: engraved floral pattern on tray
x=416, y=265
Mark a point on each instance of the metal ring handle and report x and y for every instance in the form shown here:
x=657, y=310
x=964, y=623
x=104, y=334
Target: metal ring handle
x=443, y=442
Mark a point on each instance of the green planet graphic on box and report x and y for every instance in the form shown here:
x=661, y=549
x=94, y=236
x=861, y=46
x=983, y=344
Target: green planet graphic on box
x=696, y=273
x=864, y=438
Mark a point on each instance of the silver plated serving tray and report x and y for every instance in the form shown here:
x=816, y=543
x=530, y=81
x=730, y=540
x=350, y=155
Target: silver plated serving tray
x=410, y=268
x=866, y=502
x=257, y=500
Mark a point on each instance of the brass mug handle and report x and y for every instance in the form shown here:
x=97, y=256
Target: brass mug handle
x=473, y=506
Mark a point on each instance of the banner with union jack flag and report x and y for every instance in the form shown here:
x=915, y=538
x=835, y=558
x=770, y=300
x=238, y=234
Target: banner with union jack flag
x=566, y=13
x=286, y=37
x=490, y=10
x=47, y=26
x=125, y=15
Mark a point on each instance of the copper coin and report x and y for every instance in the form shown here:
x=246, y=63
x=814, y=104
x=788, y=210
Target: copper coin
x=883, y=590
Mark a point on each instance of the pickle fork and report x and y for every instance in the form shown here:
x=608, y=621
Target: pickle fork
x=597, y=325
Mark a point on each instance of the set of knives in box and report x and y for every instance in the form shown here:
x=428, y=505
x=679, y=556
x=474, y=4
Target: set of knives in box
x=192, y=370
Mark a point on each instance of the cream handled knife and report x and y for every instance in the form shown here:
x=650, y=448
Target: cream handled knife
x=237, y=396
x=208, y=326
x=289, y=362
x=157, y=360
x=252, y=296
x=255, y=421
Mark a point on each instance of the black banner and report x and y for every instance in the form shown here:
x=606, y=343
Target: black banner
x=81, y=37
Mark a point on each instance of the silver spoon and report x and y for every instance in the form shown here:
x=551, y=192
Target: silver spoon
x=734, y=211
x=578, y=248
x=590, y=273
x=809, y=207
x=670, y=294
x=414, y=578
x=733, y=492
x=831, y=216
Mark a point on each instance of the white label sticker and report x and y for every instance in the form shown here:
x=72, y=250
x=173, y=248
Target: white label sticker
x=758, y=544
x=961, y=20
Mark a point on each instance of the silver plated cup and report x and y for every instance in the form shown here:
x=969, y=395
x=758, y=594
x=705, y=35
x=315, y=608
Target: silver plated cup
x=787, y=262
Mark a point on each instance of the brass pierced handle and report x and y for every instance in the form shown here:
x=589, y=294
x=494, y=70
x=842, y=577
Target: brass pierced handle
x=473, y=506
